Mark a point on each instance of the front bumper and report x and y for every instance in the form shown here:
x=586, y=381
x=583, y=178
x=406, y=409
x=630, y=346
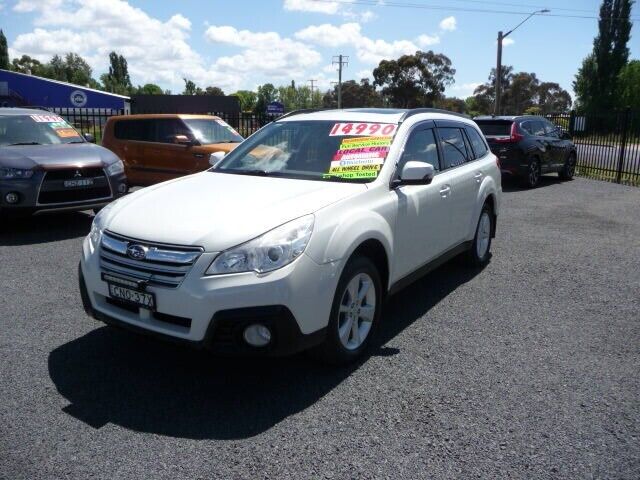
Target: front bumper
x=294, y=302
x=28, y=191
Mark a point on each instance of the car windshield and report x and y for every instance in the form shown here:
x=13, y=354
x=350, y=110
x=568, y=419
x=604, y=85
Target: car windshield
x=495, y=128
x=212, y=131
x=36, y=129
x=317, y=150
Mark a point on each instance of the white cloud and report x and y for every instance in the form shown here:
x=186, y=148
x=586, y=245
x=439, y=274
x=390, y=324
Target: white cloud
x=465, y=90
x=428, y=40
x=448, y=24
x=32, y=5
x=364, y=74
x=367, y=50
x=330, y=8
x=264, y=52
x=508, y=41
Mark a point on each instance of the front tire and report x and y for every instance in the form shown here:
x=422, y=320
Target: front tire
x=480, y=251
x=532, y=178
x=355, y=313
x=569, y=169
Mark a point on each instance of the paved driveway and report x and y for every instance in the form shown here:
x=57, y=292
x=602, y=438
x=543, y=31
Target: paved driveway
x=527, y=369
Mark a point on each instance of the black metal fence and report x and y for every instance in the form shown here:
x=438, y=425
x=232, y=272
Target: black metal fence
x=608, y=144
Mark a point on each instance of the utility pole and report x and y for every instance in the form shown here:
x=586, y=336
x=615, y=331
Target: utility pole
x=501, y=37
x=342, y=60
x=312, y=81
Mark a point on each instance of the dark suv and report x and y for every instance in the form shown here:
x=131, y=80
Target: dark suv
x=47, y=166
x=529, y=146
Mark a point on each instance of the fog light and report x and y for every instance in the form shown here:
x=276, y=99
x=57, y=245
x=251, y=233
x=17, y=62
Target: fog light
x=12, y=197
x=257, y=335
x=122, y=188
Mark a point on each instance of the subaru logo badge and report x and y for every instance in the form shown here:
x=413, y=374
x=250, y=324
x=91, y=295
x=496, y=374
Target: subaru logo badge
x=137, y=252
x=78, y=173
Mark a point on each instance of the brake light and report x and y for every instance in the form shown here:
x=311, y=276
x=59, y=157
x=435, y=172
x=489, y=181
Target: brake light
x=514, y=136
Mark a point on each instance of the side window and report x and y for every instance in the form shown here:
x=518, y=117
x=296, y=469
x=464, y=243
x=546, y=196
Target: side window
x=477, y=143
x=453, y=147
x=133, y=130
x=421, y=147
x=550, y=129
x=536, y=128
x=167, y=128
x=526, y=126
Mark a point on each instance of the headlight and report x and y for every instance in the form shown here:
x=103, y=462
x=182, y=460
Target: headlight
x=271, y=251
x=17, y=173
x=98, y=224
x=115, y=168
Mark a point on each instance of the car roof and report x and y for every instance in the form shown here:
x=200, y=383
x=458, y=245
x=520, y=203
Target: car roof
x=24, y=111
x=378, y=115
x=509, y=118
x=147, y=116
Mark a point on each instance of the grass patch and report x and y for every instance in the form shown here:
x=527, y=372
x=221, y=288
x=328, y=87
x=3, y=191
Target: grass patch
x=632, y=179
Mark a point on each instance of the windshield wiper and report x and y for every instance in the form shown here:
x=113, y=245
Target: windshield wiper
x=24, y=143
x=254, y=171
x=229, y=141
x=77, y=141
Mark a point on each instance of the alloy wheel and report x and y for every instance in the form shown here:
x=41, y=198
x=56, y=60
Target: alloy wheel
x=484, y=235
x=534, y=173
x=357, y=311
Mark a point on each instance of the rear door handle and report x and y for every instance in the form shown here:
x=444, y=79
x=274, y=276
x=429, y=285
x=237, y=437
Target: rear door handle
x=445, y=191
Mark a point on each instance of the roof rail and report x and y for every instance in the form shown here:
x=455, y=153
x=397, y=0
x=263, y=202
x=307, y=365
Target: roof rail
x=415, y=111
x=33, y=107
x=298, y=112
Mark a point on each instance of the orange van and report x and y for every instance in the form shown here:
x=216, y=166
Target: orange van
x=155, y=148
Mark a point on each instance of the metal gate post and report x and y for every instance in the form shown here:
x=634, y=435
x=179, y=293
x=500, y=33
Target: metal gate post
x=623, y=143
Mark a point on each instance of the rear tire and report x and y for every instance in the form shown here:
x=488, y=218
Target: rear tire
x=569, y=169
x=532, y=178
x=480, y=251
x=355, y=313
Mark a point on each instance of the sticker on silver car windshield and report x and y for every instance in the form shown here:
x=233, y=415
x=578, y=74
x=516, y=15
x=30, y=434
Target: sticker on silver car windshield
x=363, y=129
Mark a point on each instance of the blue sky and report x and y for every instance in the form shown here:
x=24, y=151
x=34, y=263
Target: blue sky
x=241, y=44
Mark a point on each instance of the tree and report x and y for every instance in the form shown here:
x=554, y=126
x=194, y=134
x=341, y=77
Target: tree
x=247, y=99
x=4, y=52
x=354, y=94
x=117, y=80
x=28, y=65
x=266, y=94
x=552, y=98
x=629, y=86
x=596, y=83
x=414, y=80
x=452, y=104
x=149, y=89
x=213, y=91
x=189, y=87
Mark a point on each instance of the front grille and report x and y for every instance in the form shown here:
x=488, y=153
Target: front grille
x=162, y=317
x=163, y=265
x=53, y=190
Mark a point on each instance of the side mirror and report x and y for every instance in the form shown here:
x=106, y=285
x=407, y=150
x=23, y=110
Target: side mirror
x=182, y=140
x=416, y=173
x=564, y=135
x=89, y=138
x=215, y=158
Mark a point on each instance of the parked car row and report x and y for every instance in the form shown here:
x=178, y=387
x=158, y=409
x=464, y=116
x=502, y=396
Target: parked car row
x=295, y=236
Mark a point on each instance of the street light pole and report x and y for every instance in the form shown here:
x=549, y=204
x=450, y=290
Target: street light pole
x=501, y=37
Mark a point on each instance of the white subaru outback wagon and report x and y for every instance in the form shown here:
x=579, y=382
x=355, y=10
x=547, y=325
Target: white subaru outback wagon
x=294, y=239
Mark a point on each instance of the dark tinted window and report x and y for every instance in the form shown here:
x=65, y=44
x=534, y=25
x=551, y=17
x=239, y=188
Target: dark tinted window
x=477, y=142
x=421, y=147
x=496, y=128
x=161, y=130
x=453, y=147
x=550, y=129
x=533, y=127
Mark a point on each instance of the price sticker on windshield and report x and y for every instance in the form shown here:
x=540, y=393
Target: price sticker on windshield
x=47, y=118
x=363, y=129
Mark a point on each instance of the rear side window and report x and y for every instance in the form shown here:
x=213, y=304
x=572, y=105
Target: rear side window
x=454, y=150
x=477, y=142
x=421, y=147
x=162, y=130
x=495, y=128
x=533, y=127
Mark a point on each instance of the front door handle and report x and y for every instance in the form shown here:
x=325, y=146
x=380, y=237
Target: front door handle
x=478, y=176
x=445, y=191
x=198, y=155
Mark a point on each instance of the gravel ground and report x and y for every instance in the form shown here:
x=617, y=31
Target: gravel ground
x=527, y=369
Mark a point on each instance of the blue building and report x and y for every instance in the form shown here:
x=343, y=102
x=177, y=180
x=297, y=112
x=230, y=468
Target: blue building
x=19, y=89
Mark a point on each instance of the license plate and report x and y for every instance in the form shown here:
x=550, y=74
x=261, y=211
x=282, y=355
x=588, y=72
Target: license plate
x=82, y=182
x=142, y=299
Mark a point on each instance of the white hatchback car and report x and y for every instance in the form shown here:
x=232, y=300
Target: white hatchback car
x=296, y=237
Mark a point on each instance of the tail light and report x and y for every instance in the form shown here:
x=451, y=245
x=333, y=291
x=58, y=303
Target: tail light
x=514, y=136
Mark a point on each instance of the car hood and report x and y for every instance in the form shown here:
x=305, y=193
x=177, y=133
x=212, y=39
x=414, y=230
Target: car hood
x=217, y=211
x=45, y=157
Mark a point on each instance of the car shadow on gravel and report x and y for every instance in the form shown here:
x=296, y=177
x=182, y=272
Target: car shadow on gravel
x=113, y=376
x=514, y=185
x=44, y=229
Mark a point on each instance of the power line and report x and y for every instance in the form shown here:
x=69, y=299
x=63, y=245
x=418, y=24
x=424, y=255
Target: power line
x=386, y=3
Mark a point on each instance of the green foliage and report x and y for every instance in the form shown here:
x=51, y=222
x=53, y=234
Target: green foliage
x=354, y=94
x=247, y=99
x=117, y=80
x=27, y=65
x=596, y=83
x=189, y=87
x=149, y=89
x=629, y=86
x=266, y=94
x=294, y=98
x=211, y=91
x=414, y=80
x=4, y=52
x=521, y=92
x=453, y=104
